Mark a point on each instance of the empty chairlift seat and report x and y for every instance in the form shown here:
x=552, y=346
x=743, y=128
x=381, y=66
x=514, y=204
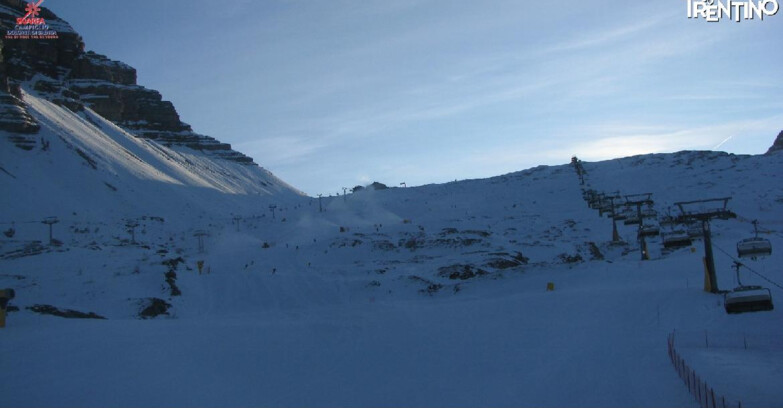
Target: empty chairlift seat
x=695, y=231
x=667, y=221
x=649, y=230
x=631, y=216
x=605, y=208
x=748, y=299
x=649, y=212
x=754, y=247
x=676, y=239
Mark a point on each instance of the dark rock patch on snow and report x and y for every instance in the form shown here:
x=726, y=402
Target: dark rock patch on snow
x=65, y=313
x=460, y=271
x=154, y=307
x=171, y=275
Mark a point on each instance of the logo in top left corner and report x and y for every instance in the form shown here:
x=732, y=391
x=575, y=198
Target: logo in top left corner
x=31, y=26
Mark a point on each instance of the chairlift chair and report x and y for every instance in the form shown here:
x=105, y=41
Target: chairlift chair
x=667, y=221
x=649, y=230
x=649, y=212
x=754, y=247
x=676, y=239
x=631, y=218
x=750, y=298
x=695, y=231
x=605, y=208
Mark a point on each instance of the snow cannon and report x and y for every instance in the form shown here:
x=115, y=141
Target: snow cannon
x=5, y=296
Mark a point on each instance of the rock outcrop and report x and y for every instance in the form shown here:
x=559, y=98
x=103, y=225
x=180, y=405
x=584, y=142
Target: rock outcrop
x=64, y=73
x=14, y=118
x=777, y=145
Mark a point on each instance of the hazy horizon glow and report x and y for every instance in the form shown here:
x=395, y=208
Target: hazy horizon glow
x=334, y=94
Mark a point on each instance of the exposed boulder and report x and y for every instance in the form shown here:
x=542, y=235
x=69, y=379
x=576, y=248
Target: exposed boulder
x=154, y=307
x=377, y=186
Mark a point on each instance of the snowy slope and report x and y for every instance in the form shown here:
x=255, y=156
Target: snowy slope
x=93, y=167
x=434, y=295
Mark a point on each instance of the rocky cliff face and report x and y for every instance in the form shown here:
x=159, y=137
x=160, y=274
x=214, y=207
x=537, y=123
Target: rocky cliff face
x=64, y=73
x=778, y=145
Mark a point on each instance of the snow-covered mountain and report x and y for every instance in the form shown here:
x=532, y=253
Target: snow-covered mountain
x=433, y=295
x=180, y=273
x=80, y=136
x=83, y=165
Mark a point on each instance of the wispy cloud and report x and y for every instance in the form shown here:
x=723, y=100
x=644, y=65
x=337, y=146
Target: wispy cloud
x=620, y=140
x=602, y=38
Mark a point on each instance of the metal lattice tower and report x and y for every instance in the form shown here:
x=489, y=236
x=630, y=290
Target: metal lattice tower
x=320, y=206
x=200, y=234
x=704, y=215
x=132, y=224
x=50, y=221
x=638, y=200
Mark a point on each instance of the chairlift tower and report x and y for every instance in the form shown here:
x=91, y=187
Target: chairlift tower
x=580, y=169
x=237, y=219
x=50, y=221
x=200, y=234
x=320, y=206
x=638, y=200
x=131, y=225
x=705, y=216
x=606, y=203
x=345, y=189
x=272, y=208
x=615, y=234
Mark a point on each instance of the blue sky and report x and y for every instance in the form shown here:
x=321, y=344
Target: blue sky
x=331, y=94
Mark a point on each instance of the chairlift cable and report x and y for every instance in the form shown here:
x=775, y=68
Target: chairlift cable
x=748, y=267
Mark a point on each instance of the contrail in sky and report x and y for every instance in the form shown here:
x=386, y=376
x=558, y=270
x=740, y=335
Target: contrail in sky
x=721, y=143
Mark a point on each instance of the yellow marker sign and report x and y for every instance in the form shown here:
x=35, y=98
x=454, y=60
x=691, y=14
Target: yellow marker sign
x=550, y=286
